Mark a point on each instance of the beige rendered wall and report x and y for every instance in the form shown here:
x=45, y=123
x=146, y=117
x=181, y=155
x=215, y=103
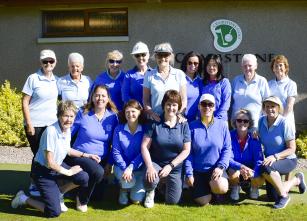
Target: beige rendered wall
x=267, y=27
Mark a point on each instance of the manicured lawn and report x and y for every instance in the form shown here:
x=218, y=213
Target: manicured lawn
x=15, y=177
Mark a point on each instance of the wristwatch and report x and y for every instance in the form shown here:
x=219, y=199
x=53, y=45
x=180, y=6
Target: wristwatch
x=221, y=167
x=172, y=165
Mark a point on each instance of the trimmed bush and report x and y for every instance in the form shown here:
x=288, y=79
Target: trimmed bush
x=301, y=145
x=11, y=119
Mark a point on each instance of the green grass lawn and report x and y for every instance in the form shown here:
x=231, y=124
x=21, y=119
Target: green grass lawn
x=15, y=177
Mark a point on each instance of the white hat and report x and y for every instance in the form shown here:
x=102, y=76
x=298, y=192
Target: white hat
x=47, y=54
x=207, y=97
x=163, y=48
x=275, y=100
x=139, y=48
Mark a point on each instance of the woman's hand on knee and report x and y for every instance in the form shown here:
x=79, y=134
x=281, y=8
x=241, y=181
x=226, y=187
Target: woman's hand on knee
x=151, y=174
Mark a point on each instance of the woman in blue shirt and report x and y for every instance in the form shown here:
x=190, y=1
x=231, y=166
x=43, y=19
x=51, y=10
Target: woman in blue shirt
x=39, y=102
x=94, y=126
x=133, y=82
x=48, y=167
x=126, y=149
x=216, y=84
x=246, y=157
x=75, y=86
x=164, y=147
x=192, y=66
x=282, y=86
x=210, y=154
x=278, y=138
x=113, y=77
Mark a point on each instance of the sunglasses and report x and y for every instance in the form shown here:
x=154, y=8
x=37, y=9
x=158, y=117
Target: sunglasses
x=111, y=61
x=163, y=54
x=140, y=55
x=207, y=104
x=242, y=121
x=195, y=63
x=48, y=61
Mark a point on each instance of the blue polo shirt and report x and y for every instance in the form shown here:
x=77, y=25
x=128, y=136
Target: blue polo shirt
x=210, y=147
x=157, y=86
x=44, y=95
x=193, y=94
x=126, y=147
x=78, y=92
x=133, y=85
x=94, y=136
x=167, y=143
x=114, y=85
x=55, y=141
x=283, y=89
x=249, y=95
x=251, y=156
x=274, y=138
x=222, y=93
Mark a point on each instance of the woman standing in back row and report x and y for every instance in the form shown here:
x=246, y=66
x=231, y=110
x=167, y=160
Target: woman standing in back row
x=39, y=102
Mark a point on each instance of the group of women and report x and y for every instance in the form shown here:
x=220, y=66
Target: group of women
x=159, y=127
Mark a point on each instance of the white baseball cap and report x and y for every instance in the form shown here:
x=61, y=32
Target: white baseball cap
x=207, y=97
x=47, y=54
x=139, y=48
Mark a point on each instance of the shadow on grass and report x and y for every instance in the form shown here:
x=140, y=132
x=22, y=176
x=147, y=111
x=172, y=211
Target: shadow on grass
x=11, y=182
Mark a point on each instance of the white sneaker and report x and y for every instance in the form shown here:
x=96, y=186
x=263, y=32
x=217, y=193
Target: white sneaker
x=235, y=192
x=62, y=203
x=254, y=193
x=17, y=202
x=123, y=197
x=81, y=208
x=149, y=199
x=34, y=191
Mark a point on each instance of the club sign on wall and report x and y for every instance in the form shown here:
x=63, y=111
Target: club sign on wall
x=227, y=35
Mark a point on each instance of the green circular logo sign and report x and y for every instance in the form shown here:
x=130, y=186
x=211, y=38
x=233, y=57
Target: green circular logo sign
x=227, y=35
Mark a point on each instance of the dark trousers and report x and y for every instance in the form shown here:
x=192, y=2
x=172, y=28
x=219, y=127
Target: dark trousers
x=95, y=172
x=46, y=181
x=173, y=184
x=34, y=140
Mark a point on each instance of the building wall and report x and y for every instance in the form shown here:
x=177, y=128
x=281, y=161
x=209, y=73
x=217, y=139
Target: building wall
x=268, y=27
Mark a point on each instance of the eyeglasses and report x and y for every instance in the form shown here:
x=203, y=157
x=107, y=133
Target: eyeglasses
x=140, y=55
x=242, y=121
x=163, y=54
x=48, y=61
x=195, y=63
x=111, y=61
x=207, y=104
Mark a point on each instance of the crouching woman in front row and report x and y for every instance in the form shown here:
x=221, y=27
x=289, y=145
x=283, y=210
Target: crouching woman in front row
x=48, y=167
x=210, y=153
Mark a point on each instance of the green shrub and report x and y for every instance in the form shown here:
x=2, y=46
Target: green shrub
x=11, y=119
x=301, y=145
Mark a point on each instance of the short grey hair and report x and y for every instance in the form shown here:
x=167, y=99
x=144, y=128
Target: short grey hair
x=75, y=57
x=249, y=57
x=65, y=106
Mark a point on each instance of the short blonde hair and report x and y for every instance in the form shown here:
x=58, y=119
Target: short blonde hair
x=246, y=113
x=64, y=106
x=115, y=55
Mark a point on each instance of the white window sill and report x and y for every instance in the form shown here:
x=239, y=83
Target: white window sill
x=82, y=39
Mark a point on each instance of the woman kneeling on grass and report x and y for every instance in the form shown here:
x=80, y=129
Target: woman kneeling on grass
x=165, y=146
x=48, y=167
x=126, y=149
x=278, y=138
x=210, y=153
x=247, y=157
